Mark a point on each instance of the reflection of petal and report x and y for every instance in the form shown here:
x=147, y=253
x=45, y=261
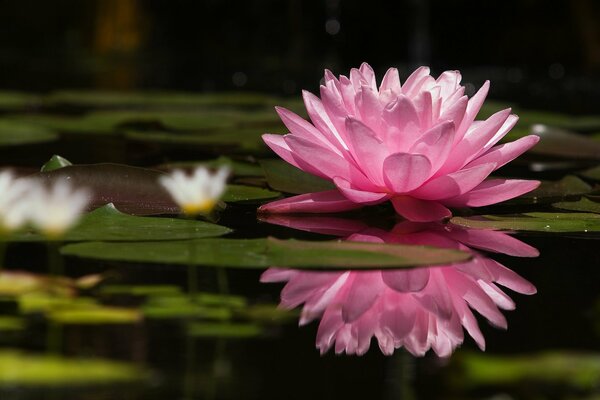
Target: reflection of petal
x=418, y=309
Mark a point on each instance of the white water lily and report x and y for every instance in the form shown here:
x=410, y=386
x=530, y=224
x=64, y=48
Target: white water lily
x=197, y=193
x=56, y=208
x=14, y=209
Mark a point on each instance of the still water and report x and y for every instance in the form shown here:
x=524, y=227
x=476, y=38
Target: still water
x=122, y=315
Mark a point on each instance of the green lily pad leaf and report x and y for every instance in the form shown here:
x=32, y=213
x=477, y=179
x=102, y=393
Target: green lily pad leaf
x=224, y=330
x=183, y=307
x=534, y=222
x=11, y=324
x=55, y=162
x=14, y=133
x=591, y=173
x=286, y=178
x=108, y=223
x=551, y=191
x=21, y=369
x=10, y=100
x=262, y=253
x=140, y=290
x=579, y=370
x=582, y=205
x=94, y=315
x=242, y=193
x=162, y=99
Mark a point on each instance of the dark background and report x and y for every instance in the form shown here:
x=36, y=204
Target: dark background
x=538, y=53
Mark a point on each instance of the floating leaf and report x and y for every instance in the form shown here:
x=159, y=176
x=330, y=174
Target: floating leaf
x=580, y=370
x=287, y=178
x=178, y=307
x=261, y=253
x=591, y=173
x=21, y=132
x=108, y=223
x=55, y=162
x=94, y=315
x=562, y=143
x=140, y=290
x=551, y=191
x=21, y=369
x=10, y=100
x=135, y=190
x=238, y=193
x=535, y=222
x=224, y=330
x=582, y=205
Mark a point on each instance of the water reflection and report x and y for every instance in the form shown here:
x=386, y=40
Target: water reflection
x=418, y=309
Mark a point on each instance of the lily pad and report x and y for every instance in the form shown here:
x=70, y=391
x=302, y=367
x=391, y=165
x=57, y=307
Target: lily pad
x=580, y=370
x=224, y=330
x=22, y=369
x=286, y=178
x=108, y=223
x=582, y=205
x=551, y=191
x=14, y=133
x=562, y=143
x=261, y=253
x=55, y=162
x=135, y=190
x=94, y=315
x=534, y=222
x=10, y=100
x=11, y=324
x=183, y=307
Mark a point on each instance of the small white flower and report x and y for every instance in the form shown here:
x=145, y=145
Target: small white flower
x=56, y=208
x=197, y=193
x=14, y=207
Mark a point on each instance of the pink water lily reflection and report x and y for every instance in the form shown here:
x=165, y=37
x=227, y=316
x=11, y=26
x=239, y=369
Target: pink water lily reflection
x=417, y=144
x=416, y=309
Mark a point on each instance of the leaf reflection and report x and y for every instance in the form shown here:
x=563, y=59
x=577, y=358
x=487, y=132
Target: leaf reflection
x=418, y=309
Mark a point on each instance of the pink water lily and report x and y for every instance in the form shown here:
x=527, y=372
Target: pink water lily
x=418, y=309
x=417, y=145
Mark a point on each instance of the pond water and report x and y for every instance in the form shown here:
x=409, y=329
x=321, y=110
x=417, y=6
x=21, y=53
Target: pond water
x=137, y=303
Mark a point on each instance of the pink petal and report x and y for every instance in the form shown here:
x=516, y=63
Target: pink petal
x=492, y=192
x=369, y=108
x=365, y=289
x=357, y=195
x=324, y=225
x=473, y=108
x=414, y=81
x=474, y=141
x=498, y=296
x=367, y=149
x=498, y=242
x=278, y=144
x=406, y=281
x=391, y=81
x=398, y=315
x=448, y=81
x=278, y=275
x=507, y=152
x=420, y=210
x=369, y=75
x=348, y=94
x=453, y=184
x=509, y=278
x=402, y=124
x=304, y=129
x=456, y=111
x=436, y=144
x=510, y=122
x=404, y=172
x=321, y=120
x=333, y=103
x=320, y=202
x=424, y=106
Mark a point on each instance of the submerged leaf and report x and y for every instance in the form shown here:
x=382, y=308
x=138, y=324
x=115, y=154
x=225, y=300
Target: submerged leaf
x=17, y=368
x=535, y=222
x=261, y=253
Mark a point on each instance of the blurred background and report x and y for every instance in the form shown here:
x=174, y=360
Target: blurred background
x=535, y=52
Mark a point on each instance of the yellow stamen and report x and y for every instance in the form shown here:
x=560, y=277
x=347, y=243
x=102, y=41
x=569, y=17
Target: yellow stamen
x=203, y=207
